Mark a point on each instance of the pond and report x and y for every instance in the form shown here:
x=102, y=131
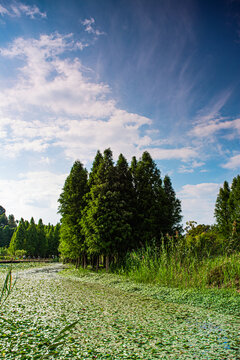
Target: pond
x=112, y=323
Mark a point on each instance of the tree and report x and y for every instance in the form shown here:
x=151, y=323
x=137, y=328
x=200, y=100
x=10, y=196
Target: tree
x=41, y=243
x=94, y=170
x=72, y=202
x=18, y=241
x=99, y=216
x=11, y=221
x=172, y=209
x=222, y=211
x=117, y=209
x=125, y=200
x=149, y=200
x=3, y=220
x=234, y=203
x=2, y=210
x=31, y=240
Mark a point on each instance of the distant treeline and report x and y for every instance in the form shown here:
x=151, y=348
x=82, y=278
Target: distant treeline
x=115, y=208
x=7, y=227
x=28, y=238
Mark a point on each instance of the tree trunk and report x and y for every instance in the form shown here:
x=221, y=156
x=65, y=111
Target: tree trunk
x=84, y=261
x=107, y=263
x=97, y=263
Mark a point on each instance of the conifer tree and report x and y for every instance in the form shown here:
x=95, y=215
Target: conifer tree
x=18, y=240
x=171, y=209
x=223, y=210
x=149, y=199
x=99, y=215
x=31, y=239
x=234, y=204
x=72, y=202
x=94, y=170
x=41, y=244
x=11, y=221
x=125, y=198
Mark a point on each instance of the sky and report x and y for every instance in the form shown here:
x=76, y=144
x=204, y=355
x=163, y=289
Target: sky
x=76, y=76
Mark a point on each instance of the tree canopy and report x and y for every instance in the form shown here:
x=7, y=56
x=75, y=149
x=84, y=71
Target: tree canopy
x=115, y=208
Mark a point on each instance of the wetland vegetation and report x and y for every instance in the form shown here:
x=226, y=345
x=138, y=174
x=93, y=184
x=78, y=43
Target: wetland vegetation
x=134, y=283
x=116, y=318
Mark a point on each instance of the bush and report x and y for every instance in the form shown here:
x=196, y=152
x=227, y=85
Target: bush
x=20, y=253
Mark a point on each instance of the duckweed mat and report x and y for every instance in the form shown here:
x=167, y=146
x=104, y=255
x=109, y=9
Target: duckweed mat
x=113, y=323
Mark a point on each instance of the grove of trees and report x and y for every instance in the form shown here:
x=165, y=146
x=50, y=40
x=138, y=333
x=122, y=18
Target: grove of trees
x=227, y=212
x=115, y=208
x=7, y=228
x=35, y=240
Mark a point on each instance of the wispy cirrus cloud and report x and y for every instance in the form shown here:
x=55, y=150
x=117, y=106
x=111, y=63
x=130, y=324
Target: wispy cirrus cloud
x=215, y=126
x=3, y=11
x=17, y=9
x=89, y=27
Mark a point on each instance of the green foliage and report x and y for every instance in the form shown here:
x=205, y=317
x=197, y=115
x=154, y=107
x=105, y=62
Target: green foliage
x=222, y=210
x=183, y=266
x=117, y=209
x=20, y=253
x=118, y=319
x=172, y=209
x=7, y=227
x=72, y=201
x=227, y=213
x=203, y=240
x=35, y=240
x=44, y=347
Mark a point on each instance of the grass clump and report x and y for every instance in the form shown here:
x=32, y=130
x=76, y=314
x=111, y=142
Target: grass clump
x=177, y=265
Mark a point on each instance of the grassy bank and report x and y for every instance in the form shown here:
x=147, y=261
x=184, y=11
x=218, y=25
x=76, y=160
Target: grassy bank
x=224, y=301
x=183, y=269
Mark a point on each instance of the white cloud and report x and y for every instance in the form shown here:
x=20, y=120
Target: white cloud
x=88, y=24
x=183, y=169
x=212, y=110
x=233, y=163
x=31, y=11
x=3, y=10
x=33, y=194
x=198, y=202
x=18, y=9
x=215, y=126
x=184, y=153
x=54, y=103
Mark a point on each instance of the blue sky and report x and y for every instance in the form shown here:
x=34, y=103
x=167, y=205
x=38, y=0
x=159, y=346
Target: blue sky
x=136, y=75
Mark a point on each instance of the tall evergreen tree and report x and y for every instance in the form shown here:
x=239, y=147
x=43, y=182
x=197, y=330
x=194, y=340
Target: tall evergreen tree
x=99, y=214
x=171, y=209
x=149, y=199
x=18, y=241
x=124, y=190
x=31, y=240
x=223, y=210
x=11, y=221
x=41, y=243
x=234, y=204
x=72, y=202
x=94, y=170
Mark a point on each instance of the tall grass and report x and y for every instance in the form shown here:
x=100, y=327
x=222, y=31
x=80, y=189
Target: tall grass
x=178, y=266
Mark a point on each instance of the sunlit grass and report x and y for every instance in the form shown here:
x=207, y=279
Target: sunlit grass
x=183, y=270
